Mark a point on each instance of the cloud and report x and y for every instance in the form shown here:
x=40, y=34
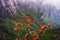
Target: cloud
x=54, y=3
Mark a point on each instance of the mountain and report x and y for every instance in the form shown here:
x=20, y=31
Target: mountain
x=8, y=8
x=31, y=7
x=52, y=13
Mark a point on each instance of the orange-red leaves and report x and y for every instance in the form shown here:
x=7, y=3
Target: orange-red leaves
x=16, y=29
x=14, y=22
x=27, y=26
x=24, y=17
x=29, y=20
x=42, y=28
x=33, y=36
x=48, y=26
x=17, y=25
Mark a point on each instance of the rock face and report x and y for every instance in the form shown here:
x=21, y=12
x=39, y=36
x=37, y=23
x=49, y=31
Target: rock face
x=8, y=8
x=52, y=13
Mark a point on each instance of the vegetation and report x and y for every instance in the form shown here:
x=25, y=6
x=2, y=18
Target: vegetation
x=26, y=26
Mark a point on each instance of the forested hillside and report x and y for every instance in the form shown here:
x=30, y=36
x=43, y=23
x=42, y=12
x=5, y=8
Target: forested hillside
x=19, y=21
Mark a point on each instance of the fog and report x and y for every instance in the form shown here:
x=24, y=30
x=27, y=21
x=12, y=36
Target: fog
x=52, y=2
x=51, y=7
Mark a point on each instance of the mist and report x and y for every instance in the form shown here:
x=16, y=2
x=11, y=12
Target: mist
x=50, y=7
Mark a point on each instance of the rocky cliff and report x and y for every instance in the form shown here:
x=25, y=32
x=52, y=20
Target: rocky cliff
x=8, y=8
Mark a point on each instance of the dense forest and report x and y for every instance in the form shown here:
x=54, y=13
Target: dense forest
x=28, y=21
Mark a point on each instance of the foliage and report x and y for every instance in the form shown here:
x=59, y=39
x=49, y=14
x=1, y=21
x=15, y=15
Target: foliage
x=26, y=26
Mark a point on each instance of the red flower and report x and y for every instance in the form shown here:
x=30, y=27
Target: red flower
x=33, y=36
x=42, y=28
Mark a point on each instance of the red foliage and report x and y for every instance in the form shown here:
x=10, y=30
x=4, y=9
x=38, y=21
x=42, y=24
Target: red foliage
x=16, y=29
x=23, y=17
x=17, y=25
x=42, y=28
x=27, y=26
x=33, y=36
x=14, y=22
x=29, y=20
x=48, y=26
x=25, y=38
